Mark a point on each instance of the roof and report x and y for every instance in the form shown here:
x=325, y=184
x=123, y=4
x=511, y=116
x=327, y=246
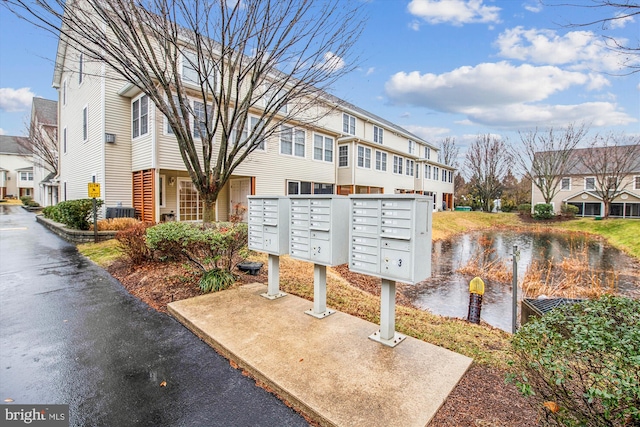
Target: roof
x=45, y=110
x=580, y=154
x=11, y=144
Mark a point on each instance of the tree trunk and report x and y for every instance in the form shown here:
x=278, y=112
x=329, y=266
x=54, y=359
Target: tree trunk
x=605, y=214
x=209, y=211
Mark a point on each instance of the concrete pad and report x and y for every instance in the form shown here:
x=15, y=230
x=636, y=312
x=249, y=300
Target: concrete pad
x=326, y=368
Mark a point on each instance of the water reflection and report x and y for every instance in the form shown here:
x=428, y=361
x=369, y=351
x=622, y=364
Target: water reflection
x=447, y=292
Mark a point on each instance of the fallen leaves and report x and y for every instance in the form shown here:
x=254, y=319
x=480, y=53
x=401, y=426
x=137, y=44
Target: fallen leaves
x=552, y=406
x=163, y=384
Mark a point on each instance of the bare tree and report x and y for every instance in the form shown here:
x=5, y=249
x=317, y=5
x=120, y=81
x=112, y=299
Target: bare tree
x=273, y=58
x=449, y=151
x=611, y=160
x=616, y=13
x=42, y=144
x=546, y=155
x=487, y=162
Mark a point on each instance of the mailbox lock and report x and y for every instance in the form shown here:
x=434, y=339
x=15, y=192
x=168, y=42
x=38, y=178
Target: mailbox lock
x=399, y=263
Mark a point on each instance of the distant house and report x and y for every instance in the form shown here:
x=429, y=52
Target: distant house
x=579, y=187
x=112, y=134
x=43, y=133
x=16, y=169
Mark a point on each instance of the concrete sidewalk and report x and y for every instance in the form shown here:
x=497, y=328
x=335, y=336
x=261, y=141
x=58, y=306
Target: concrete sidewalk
x=326, y=368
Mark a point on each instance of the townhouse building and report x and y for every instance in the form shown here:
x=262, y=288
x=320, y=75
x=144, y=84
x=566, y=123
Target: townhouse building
x=110, y=133
x=16, y=168
x=581, y=188
x=43, y=133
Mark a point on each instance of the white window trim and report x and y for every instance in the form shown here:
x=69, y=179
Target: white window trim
x=412, y=147
x=355, y=124
x=636, y=183
x=364, y=158
x=139, y=101
x=270, y=94
x=196, y=84
x=81, y=69
x=85, y=117
x=64, y=140
x=64, y=92
x=163, y=188
x=378, y=135
x=338, y=156
x=293, y=142
x=324, y=148
x=585, y=183
x=406, y=166
x=386, y=161
x=561, y=180
x=400, y=164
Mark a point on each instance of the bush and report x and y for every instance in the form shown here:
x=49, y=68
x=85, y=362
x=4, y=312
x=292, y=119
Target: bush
x=26, y=200
x=569, y=210
x=133, y=242
x=543, y=211
x=208, y=246
x=524, y=209
x=52, y=213
x=580, y=363
x=508, y=206
x=216, y=280
x=76, y=213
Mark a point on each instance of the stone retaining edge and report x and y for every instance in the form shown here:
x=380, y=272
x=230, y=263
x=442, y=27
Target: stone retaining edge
x=74, y=236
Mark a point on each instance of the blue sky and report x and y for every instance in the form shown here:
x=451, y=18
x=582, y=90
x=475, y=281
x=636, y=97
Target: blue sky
x=439, y=68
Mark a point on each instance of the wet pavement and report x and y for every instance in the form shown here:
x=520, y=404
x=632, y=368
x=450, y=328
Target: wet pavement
x=70, y=334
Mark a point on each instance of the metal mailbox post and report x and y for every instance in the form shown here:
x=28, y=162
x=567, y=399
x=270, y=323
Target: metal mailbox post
x=390, y=237
x=318, y=234
x=269, y=232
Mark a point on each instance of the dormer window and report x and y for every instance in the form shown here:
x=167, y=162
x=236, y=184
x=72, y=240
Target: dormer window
x=378, y=134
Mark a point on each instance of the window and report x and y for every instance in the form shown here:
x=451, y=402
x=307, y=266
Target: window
x=305, y=187
x=176, y=102
x=192, y=71
x=292, y=141
x=409, y=168
x=636, y=182
x=542, y=181
x=162, y=191
x=450, y=176
x=381, y=161
x=140, y=116
x=81, y=68
x=26, y=176
x=274, y=98
x=364, y=157
x=444, y=175
x=258, y=129
x=612, y=182
x=427, y=152
x=427, y=171
x=378, y=134
x=436, y=171
x=199, y=120
x=397, y=164
x=417, y=171
x=64, y=92
x=322, y=148
x=343, y=156
x=565, y=184
x=412, y=147
x=64, y=139
x=590, y=183
x=85, y=124
x=348, y=124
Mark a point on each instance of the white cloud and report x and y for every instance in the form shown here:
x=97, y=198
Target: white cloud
x=485, y=85
x=522, y=115
x=14, y=100
x=414, y=25
x=2, y=132
x=578, y=49
x=429, y=134
x=332, y=62
x=455, y=12
x=620, y=21
x=370, y=71
x=533, y=7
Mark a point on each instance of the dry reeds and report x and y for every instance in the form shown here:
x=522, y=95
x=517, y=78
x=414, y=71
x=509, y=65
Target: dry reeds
x=484, y=264
x=572, y=277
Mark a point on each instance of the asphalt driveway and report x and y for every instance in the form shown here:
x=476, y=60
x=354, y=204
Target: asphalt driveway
x=70, y=334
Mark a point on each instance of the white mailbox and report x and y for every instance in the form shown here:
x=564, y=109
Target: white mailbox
x=269, y=224
x=390, y=236
x=319, y=229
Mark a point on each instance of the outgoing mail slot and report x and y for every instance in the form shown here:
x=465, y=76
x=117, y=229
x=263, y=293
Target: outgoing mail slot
x=395, y=233
x=322, y=235
x=401, y=245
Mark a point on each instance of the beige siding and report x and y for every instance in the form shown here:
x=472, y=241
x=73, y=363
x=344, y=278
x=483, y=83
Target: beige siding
x=83, y=158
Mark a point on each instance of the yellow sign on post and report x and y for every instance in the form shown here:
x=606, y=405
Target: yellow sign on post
x=94, y=190
x=476, y=286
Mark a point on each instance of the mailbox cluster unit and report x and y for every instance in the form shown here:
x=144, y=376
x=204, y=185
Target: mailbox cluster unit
x=319, y=229
x=390, y=236
x=269, y=224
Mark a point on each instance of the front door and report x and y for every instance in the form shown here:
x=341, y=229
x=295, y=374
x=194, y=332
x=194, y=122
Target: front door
x=239, y=188
x=189, y=206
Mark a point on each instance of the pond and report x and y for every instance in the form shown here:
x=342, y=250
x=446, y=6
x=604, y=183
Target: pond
x=446, y=293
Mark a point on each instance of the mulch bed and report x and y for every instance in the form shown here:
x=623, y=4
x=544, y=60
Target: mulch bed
x=480, y=399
